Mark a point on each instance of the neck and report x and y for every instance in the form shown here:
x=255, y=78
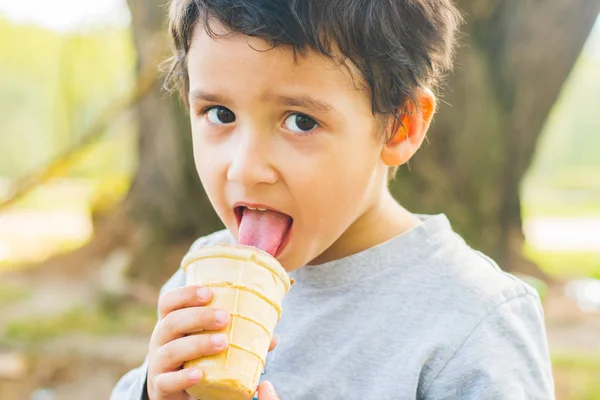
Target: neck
x=381, y=222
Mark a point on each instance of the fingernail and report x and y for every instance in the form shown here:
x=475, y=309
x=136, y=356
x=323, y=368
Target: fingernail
x=218, y=340
x=221, y=317
x=204, y=293
x=195, y=374
x=270, y=388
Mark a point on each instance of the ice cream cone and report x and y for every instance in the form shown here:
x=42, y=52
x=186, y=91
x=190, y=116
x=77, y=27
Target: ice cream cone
x=250, y=284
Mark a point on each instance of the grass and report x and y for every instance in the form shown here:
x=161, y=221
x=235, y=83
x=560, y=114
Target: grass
x=10, y=293
x=95, y=321
x=540, y=202
x=549, y=209
x=566, y=264
x=543, y=203
x=74, y=320
x=577, y=376
x=571, y=193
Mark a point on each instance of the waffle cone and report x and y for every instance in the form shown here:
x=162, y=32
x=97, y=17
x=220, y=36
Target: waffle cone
x=250, y=284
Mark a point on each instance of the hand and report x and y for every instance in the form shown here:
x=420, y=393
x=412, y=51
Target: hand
x=183, y=311
x=266, y=391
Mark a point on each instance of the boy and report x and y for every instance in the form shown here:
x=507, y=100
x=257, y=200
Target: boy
x=300, y=111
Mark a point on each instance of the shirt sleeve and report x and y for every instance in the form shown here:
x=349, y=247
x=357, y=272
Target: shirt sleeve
x=504, y=357
x=132, y=385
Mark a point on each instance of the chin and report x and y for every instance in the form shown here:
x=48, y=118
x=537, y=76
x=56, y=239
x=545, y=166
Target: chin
x=292, y=262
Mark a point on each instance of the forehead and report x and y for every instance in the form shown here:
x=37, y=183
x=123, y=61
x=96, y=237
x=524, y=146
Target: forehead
x=253, y=62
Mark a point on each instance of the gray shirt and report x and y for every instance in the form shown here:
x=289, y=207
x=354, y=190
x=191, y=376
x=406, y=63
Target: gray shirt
x=421, y=316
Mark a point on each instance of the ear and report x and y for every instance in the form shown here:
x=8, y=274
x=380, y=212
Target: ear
x=409, y=135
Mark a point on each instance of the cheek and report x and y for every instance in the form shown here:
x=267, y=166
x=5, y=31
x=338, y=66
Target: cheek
x=207, y=151
x=210, y=166
x=332, y=185
x=200, y=156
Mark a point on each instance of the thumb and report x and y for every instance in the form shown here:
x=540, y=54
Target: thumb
x=266, y=391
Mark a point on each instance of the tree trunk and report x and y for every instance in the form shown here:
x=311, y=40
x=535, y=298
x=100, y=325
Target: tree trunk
x=513, y=59
x=166, y=201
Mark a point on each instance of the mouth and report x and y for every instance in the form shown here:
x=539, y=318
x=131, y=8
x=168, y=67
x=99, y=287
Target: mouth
x=263, y=227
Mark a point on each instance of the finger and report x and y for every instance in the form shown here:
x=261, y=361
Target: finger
x=266, y=391
x=176, y=382
x=178, y=298
x=274, y=342
x=189, y=320
x=172, y=355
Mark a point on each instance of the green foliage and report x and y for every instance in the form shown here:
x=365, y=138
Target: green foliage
x=58, y=196
x=567, y=154
x=580, y=374
x=563, y=180
x=53, y=86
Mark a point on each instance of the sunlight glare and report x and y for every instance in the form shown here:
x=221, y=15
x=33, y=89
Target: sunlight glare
x=66, y=15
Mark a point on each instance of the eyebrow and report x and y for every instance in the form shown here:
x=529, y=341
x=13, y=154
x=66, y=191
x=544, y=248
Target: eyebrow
x=300, y=101
x=306, y=102
x=206, y=96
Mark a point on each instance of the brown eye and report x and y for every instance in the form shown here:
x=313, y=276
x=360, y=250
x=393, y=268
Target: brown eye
x=300, y=123
x=220, y=115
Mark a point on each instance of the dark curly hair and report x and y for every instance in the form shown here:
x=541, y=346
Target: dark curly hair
x=397, y=45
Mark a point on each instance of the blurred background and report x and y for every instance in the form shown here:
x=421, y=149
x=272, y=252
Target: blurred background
x=99, y=198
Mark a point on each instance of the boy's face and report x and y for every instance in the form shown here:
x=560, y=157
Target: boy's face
x=297, y=137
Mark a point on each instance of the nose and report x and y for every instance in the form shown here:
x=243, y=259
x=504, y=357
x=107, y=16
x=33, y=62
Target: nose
x=250, y=161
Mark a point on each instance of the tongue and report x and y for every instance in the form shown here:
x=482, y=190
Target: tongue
x=263, y=229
